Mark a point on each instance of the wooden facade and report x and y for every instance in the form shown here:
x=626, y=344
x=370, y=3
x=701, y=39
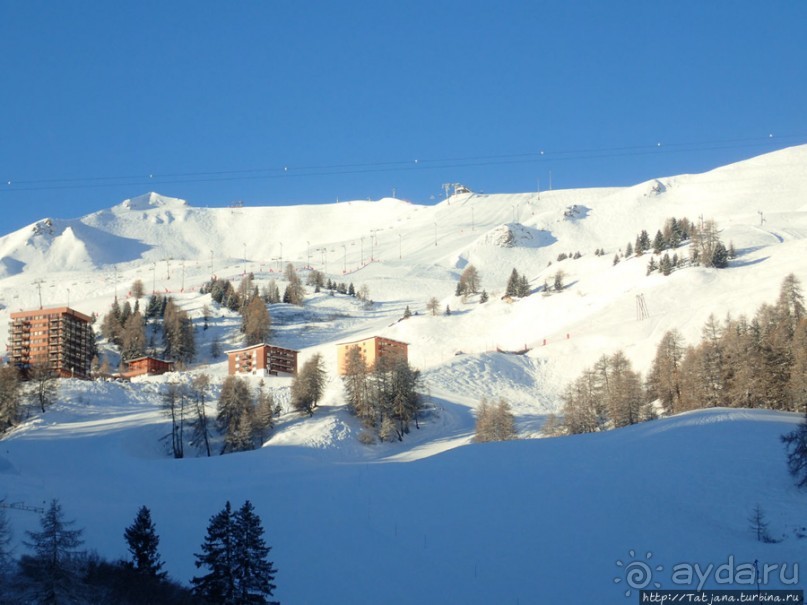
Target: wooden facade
x=372, y=349
x=147, y=366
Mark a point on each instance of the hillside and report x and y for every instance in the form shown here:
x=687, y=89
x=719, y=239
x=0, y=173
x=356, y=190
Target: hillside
x=521, y=521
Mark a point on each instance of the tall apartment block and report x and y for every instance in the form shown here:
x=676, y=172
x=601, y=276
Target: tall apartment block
x=60, y=338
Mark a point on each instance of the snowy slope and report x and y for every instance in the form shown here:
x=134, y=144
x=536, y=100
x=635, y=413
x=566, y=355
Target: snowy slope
x=323, y=495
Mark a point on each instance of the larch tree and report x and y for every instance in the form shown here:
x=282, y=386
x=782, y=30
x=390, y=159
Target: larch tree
x=256, y=322
x=664, y=380
x=356, y=384
x=200, y=425
x=494, y=422
x=9, y=397
x=175, y=407
x=52, y=572
x=236, y=415
x=309, y=384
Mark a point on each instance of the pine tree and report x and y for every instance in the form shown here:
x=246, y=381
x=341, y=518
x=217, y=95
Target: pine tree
x=235, y=553
x=142, y=542
x=253, y=571
x=218, y=555
x=558, y=283
x=523, y=286
x=512, y=284
x=407, y=313
x=483, y=298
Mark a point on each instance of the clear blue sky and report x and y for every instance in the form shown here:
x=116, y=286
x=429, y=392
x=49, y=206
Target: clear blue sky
x=278, y=102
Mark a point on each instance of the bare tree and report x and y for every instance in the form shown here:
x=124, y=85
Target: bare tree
x=199, y=388
x=42, y=386
x=174, y=400
x=433, y=305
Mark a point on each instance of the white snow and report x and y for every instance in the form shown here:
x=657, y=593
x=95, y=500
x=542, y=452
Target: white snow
x=434, y=518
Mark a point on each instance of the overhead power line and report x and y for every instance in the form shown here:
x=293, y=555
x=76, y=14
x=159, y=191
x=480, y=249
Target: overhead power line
x=553, y=155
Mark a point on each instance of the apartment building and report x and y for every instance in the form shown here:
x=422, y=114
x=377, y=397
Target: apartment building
x=372, y=349
x=60, y=338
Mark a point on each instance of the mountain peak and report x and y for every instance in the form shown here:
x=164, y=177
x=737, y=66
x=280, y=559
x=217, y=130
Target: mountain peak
x=151, y=200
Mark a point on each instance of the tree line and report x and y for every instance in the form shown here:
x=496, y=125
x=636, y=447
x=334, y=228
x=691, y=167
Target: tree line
x=759, y=362
x=234, y=555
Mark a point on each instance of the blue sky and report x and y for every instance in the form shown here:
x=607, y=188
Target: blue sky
x=278, y=102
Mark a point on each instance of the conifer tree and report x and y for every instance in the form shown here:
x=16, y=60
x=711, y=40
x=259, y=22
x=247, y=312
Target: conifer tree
x=218, y=554
x=236, y=415
x=512, y=284
x=52, y=570
x=254, y=572
x=142, y=542
x=796, y=446
x=309, y=385
x=9, y=397
x=235, y=553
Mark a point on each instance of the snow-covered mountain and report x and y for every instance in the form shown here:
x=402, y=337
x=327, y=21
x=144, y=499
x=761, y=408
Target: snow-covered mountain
x=99, y=450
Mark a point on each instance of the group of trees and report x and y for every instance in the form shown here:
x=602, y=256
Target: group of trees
x=517, y=285
x=57, y=569
x=40, y=389
x=706, y=249
x=494, y=422
x=741, y=362
x=761, y=362
x=383, y=397
x=125, y=326
x=608, y=395
x=244, y=418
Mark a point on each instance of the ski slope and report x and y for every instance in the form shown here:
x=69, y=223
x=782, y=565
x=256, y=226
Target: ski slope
x=432, y=519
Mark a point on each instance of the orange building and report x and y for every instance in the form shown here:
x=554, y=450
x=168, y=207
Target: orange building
x=147, y=365
x=262, y=359
x=372, y=349
x=60, y=338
